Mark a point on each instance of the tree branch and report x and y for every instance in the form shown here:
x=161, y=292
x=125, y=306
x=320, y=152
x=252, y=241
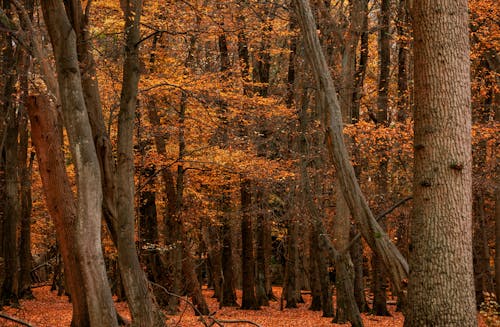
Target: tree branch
x=19, y=321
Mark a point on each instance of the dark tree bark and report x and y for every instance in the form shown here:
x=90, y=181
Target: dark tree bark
x=403, y=60
x=140, y=300
x=359, y=283
x=9, y=158
x=262, y=261
x=314, y=279
x=291, y=283
x=249, y=300
x=228, y=291
x=441, y=240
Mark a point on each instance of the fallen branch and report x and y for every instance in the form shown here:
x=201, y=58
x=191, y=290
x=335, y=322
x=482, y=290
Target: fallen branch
x=210, y=316
x=21, y=322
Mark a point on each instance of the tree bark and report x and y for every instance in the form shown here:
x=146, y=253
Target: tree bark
x=89, y=214
x=140, y=299
x=332, y=122
x=46, y=135
x=249, y=300
x=441, y=289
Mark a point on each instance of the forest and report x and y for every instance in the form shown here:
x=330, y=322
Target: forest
x=249, y=163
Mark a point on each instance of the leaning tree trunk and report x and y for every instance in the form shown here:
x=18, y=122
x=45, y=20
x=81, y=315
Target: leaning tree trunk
x=329, y=108
x=441, y=288
x=89, y=214
x=46, y=135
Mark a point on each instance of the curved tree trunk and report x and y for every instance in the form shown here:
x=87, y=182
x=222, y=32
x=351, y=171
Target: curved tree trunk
x=441, y=288
x=89, y=214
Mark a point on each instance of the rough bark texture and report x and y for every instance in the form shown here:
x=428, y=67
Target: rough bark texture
x=332, y=122
x=46, y=135
x=441, y=290
x=88, y=226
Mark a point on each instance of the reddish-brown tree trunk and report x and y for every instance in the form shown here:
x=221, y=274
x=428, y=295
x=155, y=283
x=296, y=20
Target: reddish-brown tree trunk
x=46, y=135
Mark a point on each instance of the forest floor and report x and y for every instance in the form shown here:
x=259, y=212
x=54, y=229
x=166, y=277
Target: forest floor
x=50, y=310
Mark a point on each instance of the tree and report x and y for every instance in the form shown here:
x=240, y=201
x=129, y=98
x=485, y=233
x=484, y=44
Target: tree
x=329, y=110
x=89, y=200
x=441, y=290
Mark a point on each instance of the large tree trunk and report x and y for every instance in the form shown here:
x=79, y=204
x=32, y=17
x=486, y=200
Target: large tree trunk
x=332, y=122
x=9, y=159
x=441, y=289
x=9, y=292
x=46, y=135
x=89, y=214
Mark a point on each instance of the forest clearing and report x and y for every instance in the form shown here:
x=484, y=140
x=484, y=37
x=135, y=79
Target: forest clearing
x=250, y=162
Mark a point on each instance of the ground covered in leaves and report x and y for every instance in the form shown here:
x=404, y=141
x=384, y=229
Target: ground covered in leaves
x=49, y=310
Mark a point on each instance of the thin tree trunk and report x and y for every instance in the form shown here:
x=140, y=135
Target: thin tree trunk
x=359, y=283
x=228, y=291
x=261, y=291
x=314, y=279
x=441, y=289
x=249, y=300
x=403, y=59
x=88, y=233
x=140, y=300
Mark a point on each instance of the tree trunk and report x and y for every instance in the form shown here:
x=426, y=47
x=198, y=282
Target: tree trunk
x=362, y=62
x=292, y=290
x=9, y=158
x=314, y=279
x=88, y=233
x=262, y=262
x=140, y=300
x=403, y=59
x=497, y=239
x=9, y=291
x=359, y=283
x=332, y=122
x=228, y=291
x=441, y=289
x=46, y=135
x=249, y=300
